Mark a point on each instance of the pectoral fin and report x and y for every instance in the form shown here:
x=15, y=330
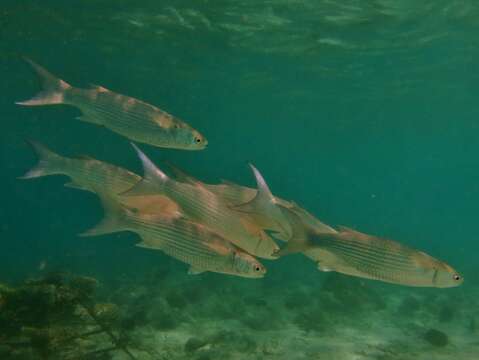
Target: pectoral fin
x=73, y=185
x=195, y=271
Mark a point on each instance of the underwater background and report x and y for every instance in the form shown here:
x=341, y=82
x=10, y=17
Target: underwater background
x=363, y=112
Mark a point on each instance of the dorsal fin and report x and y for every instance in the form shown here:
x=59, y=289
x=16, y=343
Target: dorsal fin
x=345, y=229
x=99, y=88
x=228, y=182
x=264, y=203
x=153, y=178
x=181, y=175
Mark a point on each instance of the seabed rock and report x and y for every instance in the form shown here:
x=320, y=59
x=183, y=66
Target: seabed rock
x=436, y=338
x=194, y=343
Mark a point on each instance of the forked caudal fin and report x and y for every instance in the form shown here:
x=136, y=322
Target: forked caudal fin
x=301, y=236
x=153, y=178
x=52, y=91
x=49, y=163
x=114, y=220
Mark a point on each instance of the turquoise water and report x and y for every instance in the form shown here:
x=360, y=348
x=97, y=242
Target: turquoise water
x=363, y=112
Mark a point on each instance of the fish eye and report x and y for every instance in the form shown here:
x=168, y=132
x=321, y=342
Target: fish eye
x=197, y=139
x=257, y=268
x=456, y=277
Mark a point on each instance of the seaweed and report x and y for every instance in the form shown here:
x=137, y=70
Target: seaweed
x=48, y=316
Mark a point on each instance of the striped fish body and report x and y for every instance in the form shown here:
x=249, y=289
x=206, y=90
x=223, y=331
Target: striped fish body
x=134, y=119
x=357, y=254
x=122, y=114
x=94, y=175
x=234, y=195
x=85, y=173
x=193, y=244
x=98, y=176
x=201, y=205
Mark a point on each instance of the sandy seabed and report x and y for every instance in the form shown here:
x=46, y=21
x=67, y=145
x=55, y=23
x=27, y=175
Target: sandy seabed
x=341, y=319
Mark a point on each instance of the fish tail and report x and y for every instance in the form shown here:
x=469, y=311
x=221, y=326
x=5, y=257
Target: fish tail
x=49, y=162
x=114, y=220
x=153, y=181
x=53, y=88
x=301, y=236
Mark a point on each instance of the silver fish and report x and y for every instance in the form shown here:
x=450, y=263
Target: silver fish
x=86, y=173
x=353, y=253
x=256, y=206
x=94, y=175
x=189, y=242
x=202, y=206
x=127, y=116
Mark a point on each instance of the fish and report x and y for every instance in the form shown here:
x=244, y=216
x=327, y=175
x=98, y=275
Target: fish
x=127, y=116
x=307, y=219
x=232, y=193
x=202, y=206
x=256, y=206
x=189, y=242
x=351, y=252
x=93, y=175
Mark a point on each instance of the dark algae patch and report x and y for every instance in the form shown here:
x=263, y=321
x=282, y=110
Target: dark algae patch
x=436, y=338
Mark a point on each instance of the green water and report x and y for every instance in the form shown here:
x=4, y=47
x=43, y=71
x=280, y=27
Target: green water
x=363, y=112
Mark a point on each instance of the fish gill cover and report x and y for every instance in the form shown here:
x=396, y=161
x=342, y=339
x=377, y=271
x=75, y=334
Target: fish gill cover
x=356, y=113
